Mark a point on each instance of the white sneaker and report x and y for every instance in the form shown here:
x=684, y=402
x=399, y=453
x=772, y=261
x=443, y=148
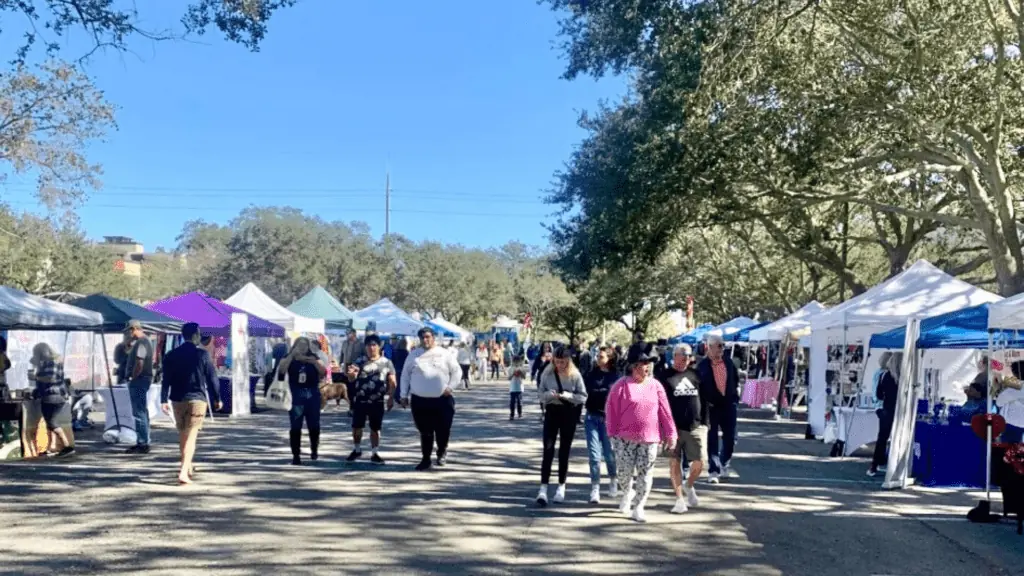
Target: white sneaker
x=559, y=494
x=595, y=494
x=542, y=495
x=613, y=488
x=626, y=503
x=680, y=507
x=691, y=497
x=639, y=515
x=727, y=472
x=713, y=478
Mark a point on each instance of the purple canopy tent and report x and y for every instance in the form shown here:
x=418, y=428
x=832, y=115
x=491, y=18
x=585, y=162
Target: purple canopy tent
x=212, y=315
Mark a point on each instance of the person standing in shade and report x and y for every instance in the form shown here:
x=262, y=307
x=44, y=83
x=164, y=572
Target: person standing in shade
x=304, y=370
x=464, y=356
x=886, y=392
x=428, y=379
x=51, y=390
x=374, y=381
x=719, y=376
x=139, y=374
x=638, y=417
x=690, y=413
x=189, y=383
x=599, y=382
x=563, y=393
x=351, y=355
x=515, y=387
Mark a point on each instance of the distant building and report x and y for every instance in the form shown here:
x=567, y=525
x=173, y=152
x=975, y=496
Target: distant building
x=130, y=255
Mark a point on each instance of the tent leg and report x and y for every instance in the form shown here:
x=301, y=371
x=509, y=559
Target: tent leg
x=110, y=382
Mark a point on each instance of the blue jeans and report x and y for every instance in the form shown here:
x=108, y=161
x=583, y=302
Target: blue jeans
x=724, y=418
x=138, y=393
x=1012, y=434
x=598, y=443
x=305, y=406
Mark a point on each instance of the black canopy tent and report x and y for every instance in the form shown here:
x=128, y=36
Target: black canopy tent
x=117, y=313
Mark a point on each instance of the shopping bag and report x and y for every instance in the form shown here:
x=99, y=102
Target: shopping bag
x=279, y=397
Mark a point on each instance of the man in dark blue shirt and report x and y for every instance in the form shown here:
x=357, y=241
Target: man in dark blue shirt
x=190, y=383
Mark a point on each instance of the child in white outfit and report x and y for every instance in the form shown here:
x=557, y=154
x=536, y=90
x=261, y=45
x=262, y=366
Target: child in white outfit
x=516, y=373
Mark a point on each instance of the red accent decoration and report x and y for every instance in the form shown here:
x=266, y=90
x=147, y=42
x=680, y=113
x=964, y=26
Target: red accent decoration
x=979, y=424
x=119, y=265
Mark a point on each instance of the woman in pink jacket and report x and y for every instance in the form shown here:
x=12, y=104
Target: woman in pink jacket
x=638, y=418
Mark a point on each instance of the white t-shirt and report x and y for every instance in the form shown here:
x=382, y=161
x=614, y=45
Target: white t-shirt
x=428, y=373
x=1011, y=406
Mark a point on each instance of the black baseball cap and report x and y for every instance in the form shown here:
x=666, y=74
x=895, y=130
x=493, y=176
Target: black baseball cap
x=425, y=330
x=639, y=354
x=371, y=339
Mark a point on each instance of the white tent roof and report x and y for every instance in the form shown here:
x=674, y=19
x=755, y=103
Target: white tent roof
x=505, y=322
x=389, y=319
x=463, y=334
x=23, y=311
x=795, y=322
x=254, y=301
x=731, y=327
x=921, y=290
x=1007, y=314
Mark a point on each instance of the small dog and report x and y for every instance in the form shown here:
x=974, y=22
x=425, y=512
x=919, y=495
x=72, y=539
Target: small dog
x=332, y=391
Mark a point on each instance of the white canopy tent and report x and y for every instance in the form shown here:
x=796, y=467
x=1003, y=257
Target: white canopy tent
x=920, y=290
x=731, y=327
x=23, y=311
x=386, y=318
x=463, y=334
x=797, y=324
x=1007, y=314
x=254, y=301
x=504, y=322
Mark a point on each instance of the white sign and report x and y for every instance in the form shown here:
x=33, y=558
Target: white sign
x=240, y=365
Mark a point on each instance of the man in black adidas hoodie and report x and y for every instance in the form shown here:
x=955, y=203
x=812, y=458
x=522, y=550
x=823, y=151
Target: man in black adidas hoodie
x=690, y=411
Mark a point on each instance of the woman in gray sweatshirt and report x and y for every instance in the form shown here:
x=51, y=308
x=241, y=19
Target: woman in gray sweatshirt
x=563, y=394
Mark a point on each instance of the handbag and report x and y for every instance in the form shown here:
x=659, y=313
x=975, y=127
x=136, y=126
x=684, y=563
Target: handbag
x=572, y=408
x=279, y=397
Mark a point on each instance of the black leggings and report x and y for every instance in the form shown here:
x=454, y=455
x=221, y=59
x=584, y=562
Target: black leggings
x=559, y=424
x=494, y=369
x=885, y=422
x=515, y=400
x=433, y=418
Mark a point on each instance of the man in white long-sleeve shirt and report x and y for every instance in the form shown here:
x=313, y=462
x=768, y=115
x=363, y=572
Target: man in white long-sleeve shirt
x=428, y=378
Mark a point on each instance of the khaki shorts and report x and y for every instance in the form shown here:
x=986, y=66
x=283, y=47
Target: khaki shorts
x=692, y=444
x=189, y=415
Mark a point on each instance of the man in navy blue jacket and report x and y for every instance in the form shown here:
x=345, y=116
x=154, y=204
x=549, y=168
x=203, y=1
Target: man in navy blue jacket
x=190, y=383
x=719, y=376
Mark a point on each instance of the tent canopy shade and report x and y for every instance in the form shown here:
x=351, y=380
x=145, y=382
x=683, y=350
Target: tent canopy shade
x=743, y=335
x=117, y=313
x=460, y=333
x=319, y=303
x=212, y=315
x=1007, y=314
x=693, y=336
x=22, y=311
x=386, y=318
x=255, y=301
x=731, y=327
x=796, y=322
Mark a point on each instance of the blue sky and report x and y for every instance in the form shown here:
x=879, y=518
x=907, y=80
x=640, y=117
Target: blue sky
x=460, y=99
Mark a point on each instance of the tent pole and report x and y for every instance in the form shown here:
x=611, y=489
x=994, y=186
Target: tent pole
x=988, y=424
x=110, y=382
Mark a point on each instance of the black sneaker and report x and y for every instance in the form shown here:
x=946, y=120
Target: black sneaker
x=442, y=460
x=143, y=449
x=67, y=451
x=376, y=459
x=355, y=455
x=511, y=418
x=423, y=465
x=314, y=455
x=296, y=461
x=133, y=450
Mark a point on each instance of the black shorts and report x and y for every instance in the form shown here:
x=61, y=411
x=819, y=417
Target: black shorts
x=372, y=412
x=50, y=413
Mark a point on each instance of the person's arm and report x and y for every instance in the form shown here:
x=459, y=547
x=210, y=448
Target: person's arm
x=611, y=411
x=165, y=383
x=454, y=375
x=579, y=391
x=666, y=423
x=282, y=368
x=1008, y=396
x=141, y=349
x=405, y=380
x=320, y=368
x=211, y=376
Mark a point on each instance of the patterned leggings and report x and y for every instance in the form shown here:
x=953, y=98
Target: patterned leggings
x=635, y=460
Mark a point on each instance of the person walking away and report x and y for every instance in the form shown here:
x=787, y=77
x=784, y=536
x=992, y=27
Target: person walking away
x=465, y=359
x=496, y=355
x=428, y=381
x=51, y=390
x=720, y=377
x=599, y=382
x=401, y=354
x=563, y=393
x=540, y=362
x=374, y=382
x=690, y=412
x=351, y=355
x=638, y=417
x=139, y=373
x=5, y=365
x=887, y=393
x=515, y=387
x=304, y=370
x=189, y=383
x=481, y=362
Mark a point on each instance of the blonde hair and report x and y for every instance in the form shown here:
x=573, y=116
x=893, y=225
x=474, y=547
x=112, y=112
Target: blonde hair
x=43, y=352
x=561, y=354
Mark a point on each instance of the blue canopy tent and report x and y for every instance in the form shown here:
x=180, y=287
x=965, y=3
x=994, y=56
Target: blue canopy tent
x=441, y=331
x=693, y=336
x=966, y=328
x=744, y=334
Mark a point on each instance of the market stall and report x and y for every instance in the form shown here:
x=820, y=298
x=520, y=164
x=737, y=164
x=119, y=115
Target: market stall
x=727, y=329
x=23, y=432
x=384, y=317
x=319, y=303
x=457, y=332
x=254, y=301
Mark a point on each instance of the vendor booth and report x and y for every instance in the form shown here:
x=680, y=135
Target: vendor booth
x=457, y=332
x=254, y=301
x=318, y=303
x=840, y=335
x=731, y=327
x=231, y=329
x=384, y=317
x=23, y=432
x=693, y=337
x=795, y=324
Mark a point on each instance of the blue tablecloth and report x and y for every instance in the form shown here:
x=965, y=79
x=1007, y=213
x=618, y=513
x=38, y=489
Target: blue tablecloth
x=948, y=456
